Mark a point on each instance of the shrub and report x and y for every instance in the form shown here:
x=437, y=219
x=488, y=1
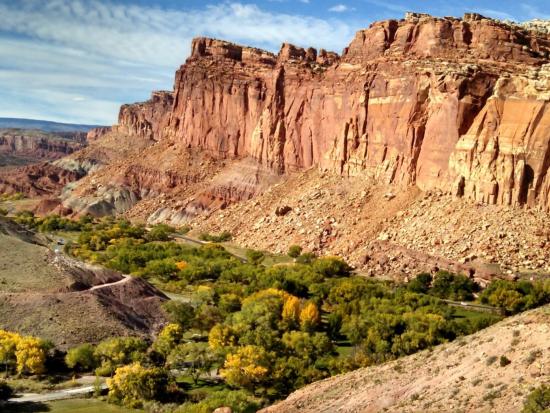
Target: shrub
x=306, y=258
x=223, y=237
x=294, y=251
x=255, y=257
x=538, y=400
x=239, y=401
x=160, y=232
x=504, y=361
x=491, y=360
x=6, y=392
x=3, y=212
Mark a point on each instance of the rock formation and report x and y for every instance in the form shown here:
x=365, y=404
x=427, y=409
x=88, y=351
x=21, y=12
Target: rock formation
x=97, y=133
x=454, y=104
x=36, y=180
x=147, y=119
x=20, y=146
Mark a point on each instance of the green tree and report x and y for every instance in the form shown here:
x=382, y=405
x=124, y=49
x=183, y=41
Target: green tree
x=180, y=313
x=294, y=251
x=421, y=283
x=133, y=384
x=454, y=287
x=331, y=267
x=118, y=351
x=81, y=358
x=195, y=359
x=308, y=346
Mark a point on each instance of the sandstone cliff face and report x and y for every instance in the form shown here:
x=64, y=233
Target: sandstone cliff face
x=97, y=133
x=36, y=180
x=32, y=145
x=146, y=119
x=454, y=104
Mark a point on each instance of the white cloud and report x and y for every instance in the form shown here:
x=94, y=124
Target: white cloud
x=339, y=8
x=110, y=53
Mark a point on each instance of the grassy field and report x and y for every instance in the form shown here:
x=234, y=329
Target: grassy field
x=67, y=406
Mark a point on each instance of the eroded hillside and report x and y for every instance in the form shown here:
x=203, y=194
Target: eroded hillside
x=49, y=295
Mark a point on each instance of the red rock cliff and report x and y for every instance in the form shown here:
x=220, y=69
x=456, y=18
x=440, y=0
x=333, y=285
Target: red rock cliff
x=146, y=119
x=456, y=104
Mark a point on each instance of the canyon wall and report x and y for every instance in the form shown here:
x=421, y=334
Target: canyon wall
x=145, y=119
x=454, y=104
x=36, y=145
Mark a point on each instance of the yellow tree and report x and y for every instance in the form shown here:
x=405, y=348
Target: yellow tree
x=8, y=344
x=133, y=384
x=30, y=355
x=220, y=336
x=291, y=310
x=309, y=316
x=247, y=367
x=181, y=265
x=168, y=339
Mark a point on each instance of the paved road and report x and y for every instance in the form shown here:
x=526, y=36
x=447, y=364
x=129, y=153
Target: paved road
x=56, y=395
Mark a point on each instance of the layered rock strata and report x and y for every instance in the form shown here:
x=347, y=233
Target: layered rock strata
x=453, y=104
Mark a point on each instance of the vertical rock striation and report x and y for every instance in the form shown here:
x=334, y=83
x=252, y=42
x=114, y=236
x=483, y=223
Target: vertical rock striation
x=454, y=104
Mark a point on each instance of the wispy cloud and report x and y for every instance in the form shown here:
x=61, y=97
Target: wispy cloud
x=77, y=60
x=339, y=8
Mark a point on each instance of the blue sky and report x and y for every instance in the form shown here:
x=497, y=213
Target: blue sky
x=79, y=60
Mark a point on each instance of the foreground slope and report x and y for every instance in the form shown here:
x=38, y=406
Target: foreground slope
x=463, y=376
x=46, y=294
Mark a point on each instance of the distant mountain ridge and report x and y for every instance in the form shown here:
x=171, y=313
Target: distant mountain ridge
x=44, y=125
